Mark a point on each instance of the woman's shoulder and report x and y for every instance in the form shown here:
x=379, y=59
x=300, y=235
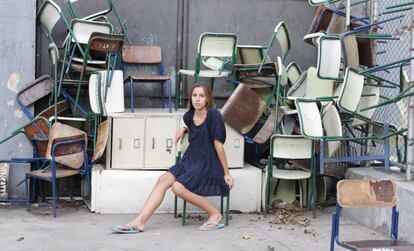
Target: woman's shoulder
x=213, y=111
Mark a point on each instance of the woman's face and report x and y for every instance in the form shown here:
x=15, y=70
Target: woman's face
x=198, y=98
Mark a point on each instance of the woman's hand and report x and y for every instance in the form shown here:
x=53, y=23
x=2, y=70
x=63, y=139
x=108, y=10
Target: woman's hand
x=180, y=134
x=229, y=180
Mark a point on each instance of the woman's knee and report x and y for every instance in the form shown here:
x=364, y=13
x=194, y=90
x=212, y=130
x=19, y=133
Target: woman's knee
x=177, y=188
x=166, y=180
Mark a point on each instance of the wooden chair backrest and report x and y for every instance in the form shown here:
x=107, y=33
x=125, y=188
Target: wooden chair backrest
x=141, y=54
x=366, y=193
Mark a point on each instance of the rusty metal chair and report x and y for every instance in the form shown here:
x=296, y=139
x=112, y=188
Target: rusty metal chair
x=146, y=56
x=67, y=147
x=367, y=194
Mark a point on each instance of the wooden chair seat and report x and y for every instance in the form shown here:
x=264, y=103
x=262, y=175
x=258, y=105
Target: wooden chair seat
x=142, y=77
x=380, y=244
x=60, y=173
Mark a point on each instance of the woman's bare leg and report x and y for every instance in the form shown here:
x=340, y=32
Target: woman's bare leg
x=154, y=200
x=214, y=215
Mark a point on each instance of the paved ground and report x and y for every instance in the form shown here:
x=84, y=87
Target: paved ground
x=78, y=229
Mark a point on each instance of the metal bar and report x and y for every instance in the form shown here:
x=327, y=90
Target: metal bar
x=353, y=159
x=399, y=5
x=410, y=136
x=348, y=14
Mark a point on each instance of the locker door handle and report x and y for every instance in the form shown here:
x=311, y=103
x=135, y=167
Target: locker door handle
x=120, y=144
x=236, y=143
x=153, y=143
x=136, y=143
x=168, y=143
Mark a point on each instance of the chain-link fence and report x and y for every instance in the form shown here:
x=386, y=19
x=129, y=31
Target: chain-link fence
x=396, y=114
x=387, y=51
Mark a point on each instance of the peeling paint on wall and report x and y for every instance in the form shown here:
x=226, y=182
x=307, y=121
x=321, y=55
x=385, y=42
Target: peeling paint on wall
x=18, y=114
x=10, y=103
x=13, y=82
x=152, y=39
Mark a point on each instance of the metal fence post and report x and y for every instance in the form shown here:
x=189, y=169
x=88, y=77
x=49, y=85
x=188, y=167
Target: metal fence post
x=410, y=136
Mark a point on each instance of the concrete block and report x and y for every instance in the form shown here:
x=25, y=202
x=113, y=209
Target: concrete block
x=125, y=191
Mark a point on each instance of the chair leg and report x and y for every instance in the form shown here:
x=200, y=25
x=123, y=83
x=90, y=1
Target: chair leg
x=169, y=96
x=276, y=187
x=184, y=212
x=221, y=204
x=162, y=95
x=54, y=197
x=26, y=186
x=175, y=206
x=313, y=188
x=227, y=209
x=177, y=90
x=131, y=89
x=332, y=247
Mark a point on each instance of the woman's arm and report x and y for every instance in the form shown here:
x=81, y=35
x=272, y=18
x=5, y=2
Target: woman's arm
x=180, y=134
x=221, y=154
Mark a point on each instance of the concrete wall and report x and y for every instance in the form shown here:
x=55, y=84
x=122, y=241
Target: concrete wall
x=17, y=64
x=176, y=26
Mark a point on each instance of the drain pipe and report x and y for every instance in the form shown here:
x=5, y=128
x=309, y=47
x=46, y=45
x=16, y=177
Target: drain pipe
x=410, y=136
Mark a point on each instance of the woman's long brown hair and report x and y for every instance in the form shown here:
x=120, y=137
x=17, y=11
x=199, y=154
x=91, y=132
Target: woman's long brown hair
x=207, y=92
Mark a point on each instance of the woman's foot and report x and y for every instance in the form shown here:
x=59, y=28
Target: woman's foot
x=214, y=218
x=212, y=223
x=136, y=225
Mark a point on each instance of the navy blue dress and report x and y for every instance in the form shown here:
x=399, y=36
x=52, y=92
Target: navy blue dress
x=200, y=170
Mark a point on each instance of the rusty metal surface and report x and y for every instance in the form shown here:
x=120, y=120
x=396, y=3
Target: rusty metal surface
x=320, y=21
x=366, y=52
x=141, y=54
x=337, y=25
x=251, y=70
x=101, y=140
x=243, y=109
x=71, y=155
x=369, y=245
x=102, y=42
x=63, y=109
x=366, y=193
x=268, y=128
x=33, y=131
x=35, y=91
x=60, y=173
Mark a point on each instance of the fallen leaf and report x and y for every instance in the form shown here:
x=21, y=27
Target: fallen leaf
x=245, y=237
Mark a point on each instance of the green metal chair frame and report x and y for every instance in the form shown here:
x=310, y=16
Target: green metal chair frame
x=220, y=45
x=109, y=44
x=281, y=33
x=290, y=147
x=97, y=15
x=183, y=147
x=82, y=30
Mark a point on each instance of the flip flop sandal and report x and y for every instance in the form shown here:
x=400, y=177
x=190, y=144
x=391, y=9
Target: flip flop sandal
x=125, y=229
x=210, y=226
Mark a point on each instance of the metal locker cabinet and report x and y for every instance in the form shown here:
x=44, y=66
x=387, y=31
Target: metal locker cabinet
x=128, y=143
x=234, y=148
x=160, y=148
